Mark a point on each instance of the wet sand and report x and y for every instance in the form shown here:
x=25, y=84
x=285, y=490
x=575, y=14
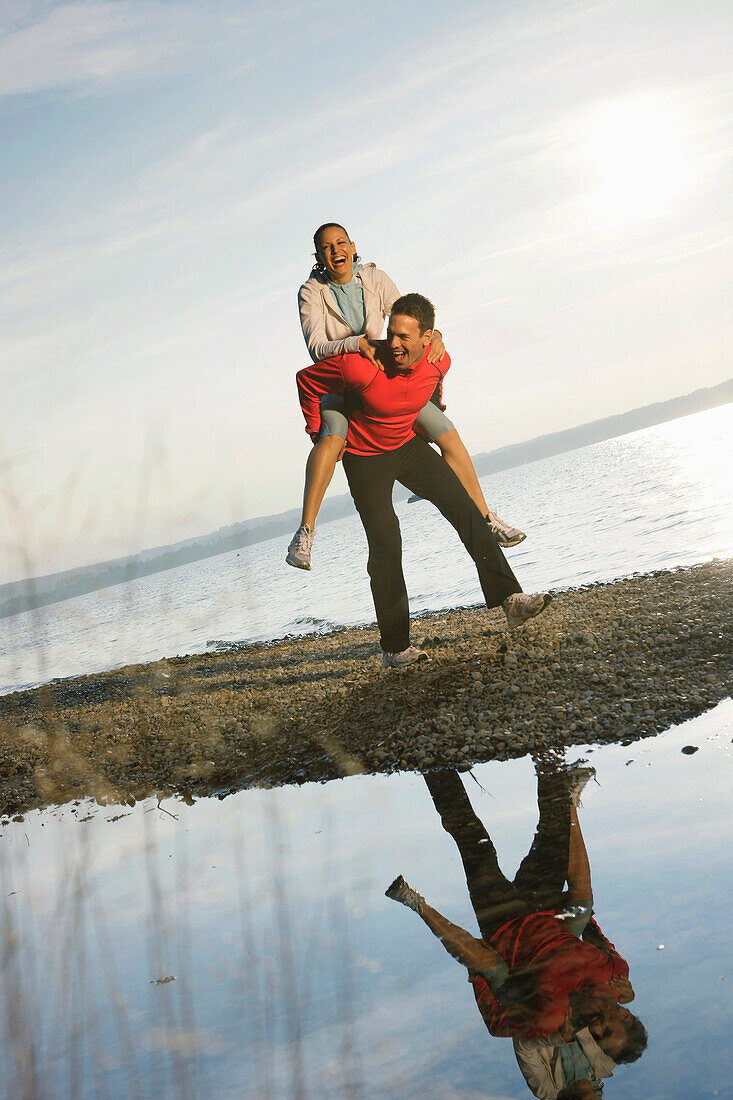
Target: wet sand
x=606, y=662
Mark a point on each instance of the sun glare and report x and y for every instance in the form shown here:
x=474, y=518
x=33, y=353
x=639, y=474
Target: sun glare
x=638, y=155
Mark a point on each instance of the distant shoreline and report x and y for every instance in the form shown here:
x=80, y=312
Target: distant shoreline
x=610, y=662
x=26, y=595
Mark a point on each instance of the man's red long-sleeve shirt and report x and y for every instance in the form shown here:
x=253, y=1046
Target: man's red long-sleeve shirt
x=389, y=401
x=559, y=963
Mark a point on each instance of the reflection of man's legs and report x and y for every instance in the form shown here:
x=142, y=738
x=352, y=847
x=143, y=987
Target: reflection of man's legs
x=493, y=897
x=543, y=871
x=371, y=480
x=423, y=472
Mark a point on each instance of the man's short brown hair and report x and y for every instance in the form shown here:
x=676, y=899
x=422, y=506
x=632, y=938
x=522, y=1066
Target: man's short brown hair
x=418, y=307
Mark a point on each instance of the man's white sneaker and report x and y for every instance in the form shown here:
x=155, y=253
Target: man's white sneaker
x=406, y=657
x=299, y=551
x=400, y=891
x=505, y=534
x=522, y=606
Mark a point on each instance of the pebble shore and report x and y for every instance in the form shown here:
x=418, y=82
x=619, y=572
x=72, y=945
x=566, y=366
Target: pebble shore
x=606, y=662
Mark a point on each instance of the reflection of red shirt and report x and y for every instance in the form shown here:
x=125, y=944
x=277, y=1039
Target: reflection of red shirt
x=389, y=402
x=558, y=963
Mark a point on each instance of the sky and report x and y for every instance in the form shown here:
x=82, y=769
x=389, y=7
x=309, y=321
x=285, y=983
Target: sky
x=555, y=176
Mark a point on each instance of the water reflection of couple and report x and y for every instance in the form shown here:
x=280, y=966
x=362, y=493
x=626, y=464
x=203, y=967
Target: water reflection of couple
x=542, y=973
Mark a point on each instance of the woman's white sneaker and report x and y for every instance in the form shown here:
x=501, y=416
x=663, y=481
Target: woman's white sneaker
x=405, y=894
x=504, y=533
x=577, y=777
x=522, y=606
x=301, y=544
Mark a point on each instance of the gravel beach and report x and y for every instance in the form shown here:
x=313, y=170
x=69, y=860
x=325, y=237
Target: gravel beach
x=606, y=662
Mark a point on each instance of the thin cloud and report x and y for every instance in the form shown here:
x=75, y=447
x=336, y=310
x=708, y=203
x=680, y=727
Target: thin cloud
x=80, y=46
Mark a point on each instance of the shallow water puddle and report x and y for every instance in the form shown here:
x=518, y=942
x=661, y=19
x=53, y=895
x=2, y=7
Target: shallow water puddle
x=244, y=947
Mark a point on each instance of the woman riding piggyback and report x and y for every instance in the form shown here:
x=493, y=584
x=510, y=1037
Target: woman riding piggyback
x=343, y=306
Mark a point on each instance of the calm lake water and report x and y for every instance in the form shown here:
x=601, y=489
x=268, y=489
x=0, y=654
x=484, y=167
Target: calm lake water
x=244, y=947
x=653, y=499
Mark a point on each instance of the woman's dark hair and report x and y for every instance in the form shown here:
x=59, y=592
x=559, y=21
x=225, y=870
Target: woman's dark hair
x=636, y=1041
x=317, y=266
x=419, y=308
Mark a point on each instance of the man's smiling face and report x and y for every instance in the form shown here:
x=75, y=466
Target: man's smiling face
x=406, y=342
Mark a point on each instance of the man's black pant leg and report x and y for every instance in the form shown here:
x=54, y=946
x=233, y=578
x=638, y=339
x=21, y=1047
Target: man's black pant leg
x=424, y=472
x=371, y=481
x=494, y=899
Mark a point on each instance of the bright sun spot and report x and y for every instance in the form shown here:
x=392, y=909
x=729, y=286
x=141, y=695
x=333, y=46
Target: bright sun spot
x=638, y=156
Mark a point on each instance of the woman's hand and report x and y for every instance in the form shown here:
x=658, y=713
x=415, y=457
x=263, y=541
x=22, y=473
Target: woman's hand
x=437, y=347
x=622, y=990
x=368, y=349
x=580, y=1090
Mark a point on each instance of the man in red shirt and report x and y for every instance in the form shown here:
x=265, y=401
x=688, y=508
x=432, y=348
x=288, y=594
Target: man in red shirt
x=533, y=976
x=381, y=448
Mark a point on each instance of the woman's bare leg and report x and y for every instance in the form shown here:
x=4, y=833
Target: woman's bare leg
x=459, y=943
x=455, y=454
x=435, y=426
x=578, y=866
x=319, y=470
